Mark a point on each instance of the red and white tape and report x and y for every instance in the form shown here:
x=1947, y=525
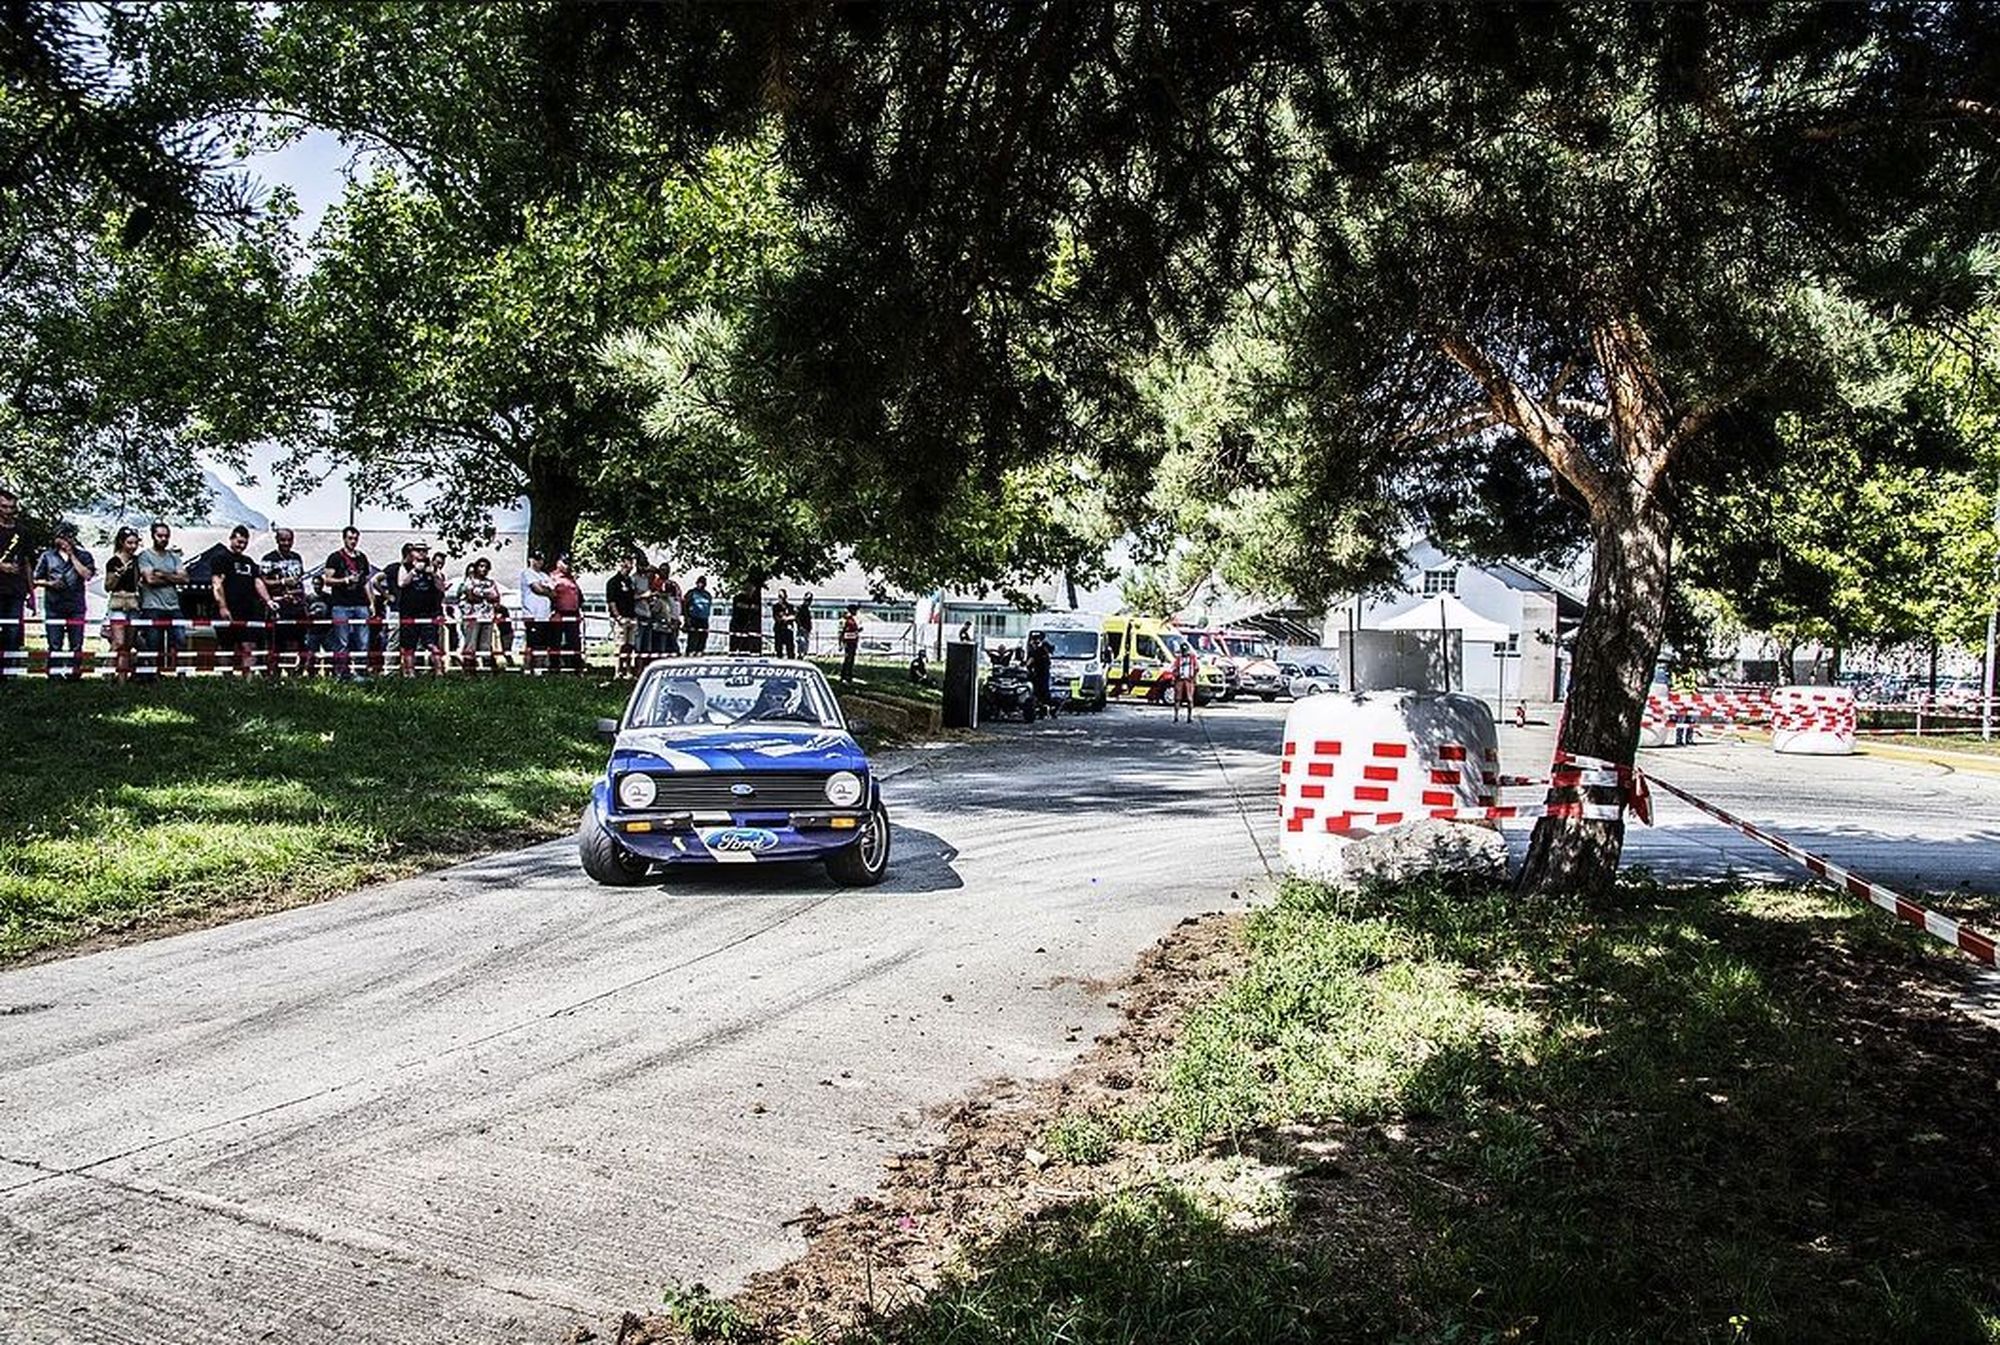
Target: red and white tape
x=1961, y=936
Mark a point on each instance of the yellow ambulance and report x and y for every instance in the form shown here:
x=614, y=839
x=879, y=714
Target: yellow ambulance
x=1139, y=653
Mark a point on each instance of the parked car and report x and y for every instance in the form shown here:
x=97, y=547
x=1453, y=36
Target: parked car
x=1954, y=693
x=1308, y=679
x=733, y=761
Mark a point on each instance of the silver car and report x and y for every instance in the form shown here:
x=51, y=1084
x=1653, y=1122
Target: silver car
x=1308, y=679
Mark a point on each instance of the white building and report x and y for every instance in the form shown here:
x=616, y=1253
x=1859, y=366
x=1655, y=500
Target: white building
x=1492, y=629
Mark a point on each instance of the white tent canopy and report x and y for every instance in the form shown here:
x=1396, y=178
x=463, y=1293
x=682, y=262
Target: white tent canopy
x=1446, y=612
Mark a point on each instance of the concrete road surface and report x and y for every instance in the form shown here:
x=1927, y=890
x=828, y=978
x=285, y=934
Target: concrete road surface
x=1921, y=826
x=499, y=1101
x=496, y=1102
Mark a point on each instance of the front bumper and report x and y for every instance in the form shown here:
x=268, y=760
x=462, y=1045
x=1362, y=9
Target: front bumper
x=1082, y=687
x=748, y=836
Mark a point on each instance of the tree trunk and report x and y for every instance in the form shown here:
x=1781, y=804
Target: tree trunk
x=555, y=507
x=1616, y=650
x=1632, y=529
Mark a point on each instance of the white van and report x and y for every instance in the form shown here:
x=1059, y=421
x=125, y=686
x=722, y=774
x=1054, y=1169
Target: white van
x=1076, y=669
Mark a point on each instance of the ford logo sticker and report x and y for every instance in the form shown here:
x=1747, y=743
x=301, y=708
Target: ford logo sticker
x=742, y=791
x=740, y=840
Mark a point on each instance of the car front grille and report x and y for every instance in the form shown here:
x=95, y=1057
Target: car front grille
x=713, y=792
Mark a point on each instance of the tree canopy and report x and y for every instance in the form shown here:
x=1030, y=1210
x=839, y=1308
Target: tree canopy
x=970, y=288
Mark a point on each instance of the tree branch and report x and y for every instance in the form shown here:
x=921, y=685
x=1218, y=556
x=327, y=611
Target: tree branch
x=1538, y=424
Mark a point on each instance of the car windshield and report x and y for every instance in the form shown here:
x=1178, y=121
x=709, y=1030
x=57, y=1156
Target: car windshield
x=1071, y=643
x=713, y=693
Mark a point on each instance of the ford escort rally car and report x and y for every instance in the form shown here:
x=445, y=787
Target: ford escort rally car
x=733, y=761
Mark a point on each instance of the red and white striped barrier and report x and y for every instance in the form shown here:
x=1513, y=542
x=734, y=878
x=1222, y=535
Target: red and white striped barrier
x=1670, y=715
x=1960, y=936
x=1320, y=779
x=1813, y=721
x=1356, y=763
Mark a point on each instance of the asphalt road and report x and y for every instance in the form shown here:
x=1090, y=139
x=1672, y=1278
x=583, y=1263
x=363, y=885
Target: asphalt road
x=1920, y=826
x=499, y=1102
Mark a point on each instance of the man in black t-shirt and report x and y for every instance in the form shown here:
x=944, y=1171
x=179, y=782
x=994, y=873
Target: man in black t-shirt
x=621, y=596
x=344, y=578
x=746, y=620
x=419, y=606
x=242, y=602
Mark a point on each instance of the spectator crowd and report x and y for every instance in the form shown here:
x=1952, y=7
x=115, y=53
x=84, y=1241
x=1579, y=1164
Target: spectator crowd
x=347, y=617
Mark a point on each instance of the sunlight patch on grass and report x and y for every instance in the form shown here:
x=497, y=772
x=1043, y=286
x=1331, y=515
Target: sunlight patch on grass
x=207, y=793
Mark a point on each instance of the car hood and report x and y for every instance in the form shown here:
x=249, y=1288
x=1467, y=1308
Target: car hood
x=763, y=747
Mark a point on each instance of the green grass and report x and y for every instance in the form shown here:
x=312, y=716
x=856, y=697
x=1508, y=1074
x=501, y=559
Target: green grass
x=1945, y=742
x=1084, y=1138
x=131, y=803
x=893, y=681
x=1684, y=1115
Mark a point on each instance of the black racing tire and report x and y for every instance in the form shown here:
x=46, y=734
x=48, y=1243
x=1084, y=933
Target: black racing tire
x=604, y=859
x=865, y=862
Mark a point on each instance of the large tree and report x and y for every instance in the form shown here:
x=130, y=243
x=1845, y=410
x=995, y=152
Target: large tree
x=455, y=370
x=140, y=270
x=1624, y=240
x=1599, y=248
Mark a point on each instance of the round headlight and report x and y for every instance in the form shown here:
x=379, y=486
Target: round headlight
x=637, y=790
x=843, y=789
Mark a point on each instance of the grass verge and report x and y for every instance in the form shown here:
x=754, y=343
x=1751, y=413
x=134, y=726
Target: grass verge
x=889, y=681
x=1944, y=742
x=1711, y=1115
x=132, y=807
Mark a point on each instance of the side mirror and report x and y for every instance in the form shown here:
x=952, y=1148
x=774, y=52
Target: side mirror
x=607, y=729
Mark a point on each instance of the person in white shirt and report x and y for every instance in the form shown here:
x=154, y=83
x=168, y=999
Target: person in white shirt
x=535, y=591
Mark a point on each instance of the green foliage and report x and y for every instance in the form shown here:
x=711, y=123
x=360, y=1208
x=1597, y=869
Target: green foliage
x=1877, y=526
x=512, y=228
x=198, y=795
x=139, y=277
x=1083, y=1138
x=470, y=364
x=702, y=1315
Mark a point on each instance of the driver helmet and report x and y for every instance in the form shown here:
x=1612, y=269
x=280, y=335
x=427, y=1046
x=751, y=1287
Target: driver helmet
x=779, y=693
x=682, y=701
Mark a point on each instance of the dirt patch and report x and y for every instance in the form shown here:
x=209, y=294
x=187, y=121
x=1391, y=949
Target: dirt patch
x=989, y=1169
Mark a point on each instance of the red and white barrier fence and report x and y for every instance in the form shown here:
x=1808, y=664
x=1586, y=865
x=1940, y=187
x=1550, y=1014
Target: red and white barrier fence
x=139, y=642
x=1313, y=771
x=1959, y=935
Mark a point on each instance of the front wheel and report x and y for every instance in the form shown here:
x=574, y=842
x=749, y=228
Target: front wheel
x=1268, y=696
x=865, y=862
x=604, y=859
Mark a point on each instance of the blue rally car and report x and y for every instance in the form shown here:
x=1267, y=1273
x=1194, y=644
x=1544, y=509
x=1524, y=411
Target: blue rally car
x=733, y=761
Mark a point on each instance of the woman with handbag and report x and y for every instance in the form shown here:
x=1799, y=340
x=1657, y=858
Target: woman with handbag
x=121, y=599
